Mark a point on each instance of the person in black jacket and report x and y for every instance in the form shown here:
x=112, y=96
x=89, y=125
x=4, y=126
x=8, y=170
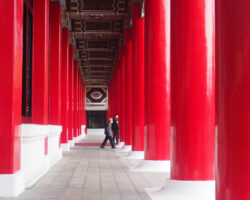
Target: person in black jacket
x=108, y=133
x=116, y=129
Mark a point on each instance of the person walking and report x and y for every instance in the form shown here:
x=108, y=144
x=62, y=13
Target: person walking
x=108, y=133
x=116, y=129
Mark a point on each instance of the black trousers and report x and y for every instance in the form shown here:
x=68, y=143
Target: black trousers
x=116, y=136
x=110, y=140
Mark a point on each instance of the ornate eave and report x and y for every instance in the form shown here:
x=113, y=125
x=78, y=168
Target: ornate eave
x=97, y=32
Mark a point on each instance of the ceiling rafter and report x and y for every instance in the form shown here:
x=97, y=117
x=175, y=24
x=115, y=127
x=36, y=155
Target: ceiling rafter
x=96, y=31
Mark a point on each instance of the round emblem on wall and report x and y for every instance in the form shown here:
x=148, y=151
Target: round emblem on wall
x=96, y=95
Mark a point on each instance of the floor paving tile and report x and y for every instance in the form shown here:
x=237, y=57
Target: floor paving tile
x=91, y=173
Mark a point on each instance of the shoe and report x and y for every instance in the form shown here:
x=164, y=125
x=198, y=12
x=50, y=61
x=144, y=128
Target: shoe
x=113, y=147
x=102, y=147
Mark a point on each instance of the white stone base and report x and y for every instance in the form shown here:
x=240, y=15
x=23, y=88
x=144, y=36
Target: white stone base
x=120, y=145
x=83, y=130
x=65, y=147
x=71, y=143
x=34, y=162
x=32, y=176
x=35, y=158
x=152, y=166
x=79, y=138
x=55, y=158
x=11, y=185
x=126, y=148
x=82, y=136
x=134, y=155
x=184, y=190
x=54, y=151
x=75, y=139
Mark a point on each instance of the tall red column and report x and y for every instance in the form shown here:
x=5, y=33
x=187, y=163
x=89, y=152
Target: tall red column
x=55, y=64
x=11, y=53
x=122, y=94
x=118, y=91
x=71, y=94
x=82, y=103
x=40, y=61
x=83, y=106
x=65, y=87
x=193, y=78
x=157, y=80
x=79, y=103
x=76, y=63
x=138, y=80
x=115, y=92
x=109, y=111
x=193, y=98
x=233, y=139
x=128, y=87
x=111, y=97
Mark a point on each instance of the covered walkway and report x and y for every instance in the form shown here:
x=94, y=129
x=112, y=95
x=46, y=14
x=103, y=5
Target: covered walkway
x=91, y=173
x=173, y=73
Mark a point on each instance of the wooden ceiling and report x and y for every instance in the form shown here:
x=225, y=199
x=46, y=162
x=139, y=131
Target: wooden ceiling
x=96, y=31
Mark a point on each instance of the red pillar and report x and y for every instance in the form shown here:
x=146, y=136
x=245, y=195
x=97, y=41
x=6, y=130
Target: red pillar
x=71, y=93
x=111, y=98
x=76, y=63
x=79, y=103
x=118, y=68
x=83, y=102
x=233, y=139
x=11, y=18
x=128, y=87
x=115, y=92
x=193, y=78
x=82, y=107
x=55, y=64
x=108, y=114
x=138, y=80
x=65, y=85
x=157, y=80
x=41, y=61
x=122, y=94
x=113, y=95
x=84, y=122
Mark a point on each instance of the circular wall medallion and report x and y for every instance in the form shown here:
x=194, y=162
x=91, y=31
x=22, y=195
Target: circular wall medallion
x=96, y=95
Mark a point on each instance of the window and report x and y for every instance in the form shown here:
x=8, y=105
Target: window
x=27, y=58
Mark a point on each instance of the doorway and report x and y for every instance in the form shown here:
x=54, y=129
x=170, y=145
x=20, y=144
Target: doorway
x=96, y=119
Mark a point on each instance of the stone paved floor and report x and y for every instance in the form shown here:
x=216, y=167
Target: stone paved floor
x=91, y=173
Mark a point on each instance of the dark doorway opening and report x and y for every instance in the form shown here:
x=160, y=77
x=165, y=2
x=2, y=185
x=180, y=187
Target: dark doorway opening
x=96, y=119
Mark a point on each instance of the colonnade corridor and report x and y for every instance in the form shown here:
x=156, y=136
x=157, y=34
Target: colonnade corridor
x=172, y=76
x=91, y=173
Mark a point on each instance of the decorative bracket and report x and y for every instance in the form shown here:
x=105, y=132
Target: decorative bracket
x=72, y=40
x=66, y=22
